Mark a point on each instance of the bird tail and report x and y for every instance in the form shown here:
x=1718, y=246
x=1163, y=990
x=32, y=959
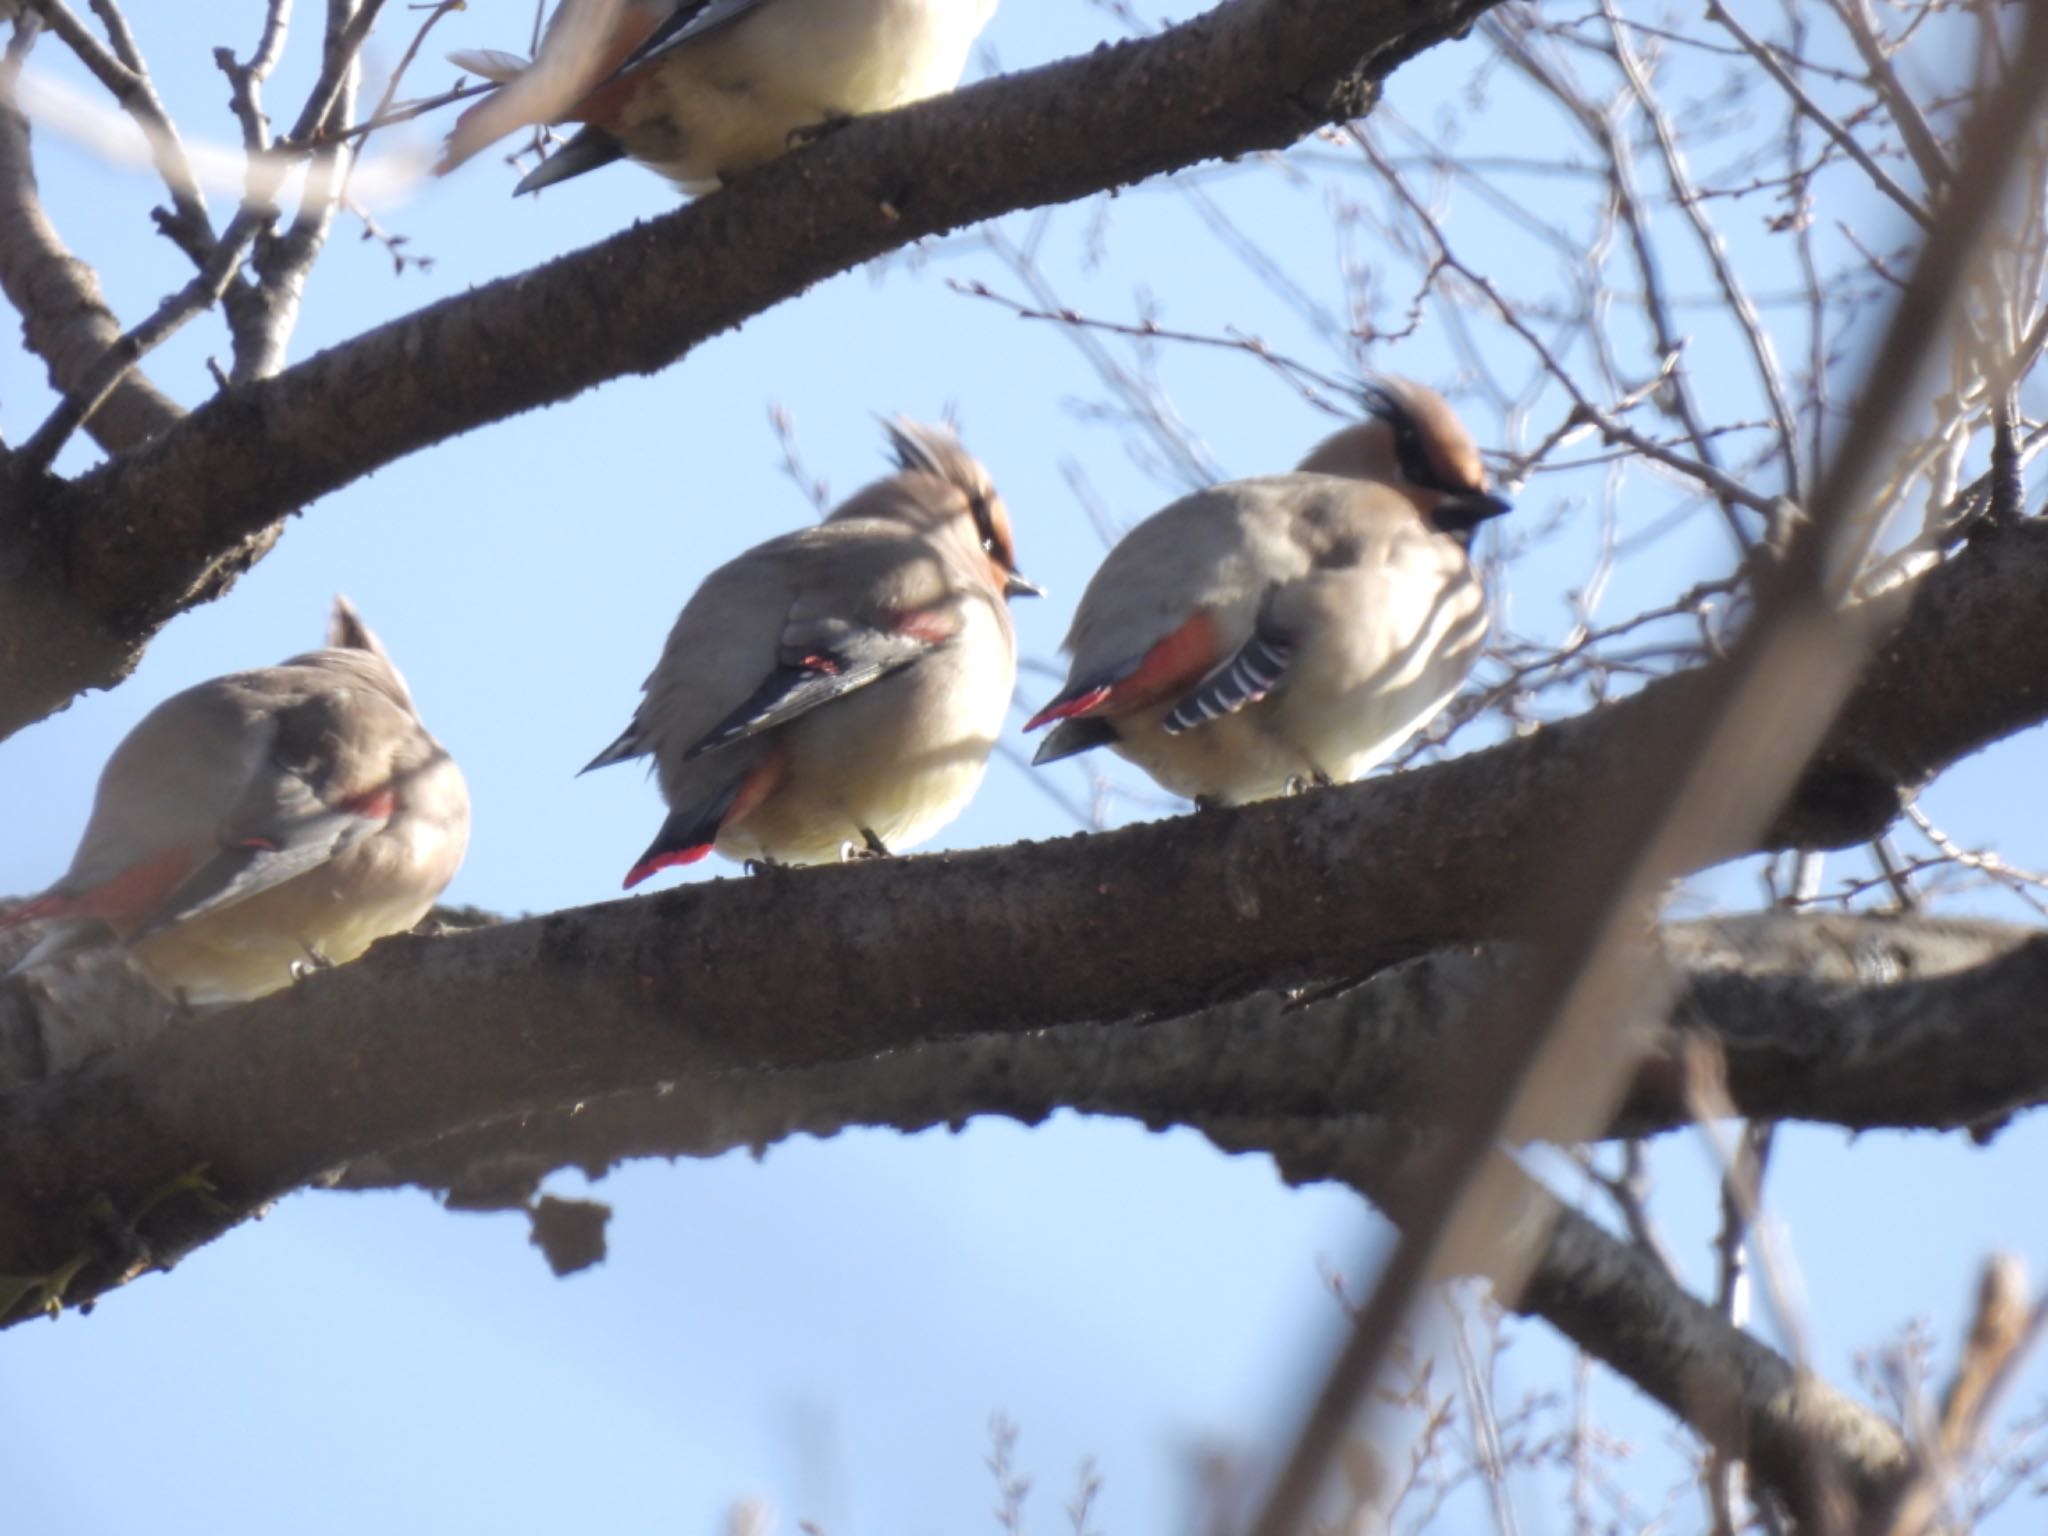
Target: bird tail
x=628, y=745
x=1072, y=737
x=586, y=150
x=683, y=839
x=492, y=64
x=67, y=936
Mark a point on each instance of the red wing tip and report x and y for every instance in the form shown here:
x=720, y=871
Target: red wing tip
x=655, y=863
x=1067, y=709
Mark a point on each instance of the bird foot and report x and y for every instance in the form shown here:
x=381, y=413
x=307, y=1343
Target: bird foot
x=117, y=1239
x=869, y=847
x=1302, y=783
x=44, y=1293
x=194, y=1181
x=811, y=133
x=758, y=866
x=310, y=962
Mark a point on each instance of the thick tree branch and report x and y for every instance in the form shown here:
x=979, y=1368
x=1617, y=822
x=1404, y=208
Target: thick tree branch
x=580, y=1005
x=1324, y=1088
x=1861, y=1022
x=1251, y=74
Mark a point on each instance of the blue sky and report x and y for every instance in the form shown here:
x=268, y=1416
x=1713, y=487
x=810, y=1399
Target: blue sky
x=829, y=1328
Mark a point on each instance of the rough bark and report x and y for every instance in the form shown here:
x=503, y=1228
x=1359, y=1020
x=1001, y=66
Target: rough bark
x=1859, y=1005
x=1249, y=75
x=1862, y=1022
x=425, y=1037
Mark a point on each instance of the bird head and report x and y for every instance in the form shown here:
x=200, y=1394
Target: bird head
x=1413, y=442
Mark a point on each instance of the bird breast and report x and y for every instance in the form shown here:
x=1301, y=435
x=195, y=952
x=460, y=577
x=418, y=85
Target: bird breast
x=901, y=757
x=382, y=884
x=715, y=108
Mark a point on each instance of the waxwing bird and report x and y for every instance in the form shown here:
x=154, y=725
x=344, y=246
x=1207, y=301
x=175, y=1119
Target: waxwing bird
x=1264, y=635
x=702, y=90
x=838, y=689
x=263, y=822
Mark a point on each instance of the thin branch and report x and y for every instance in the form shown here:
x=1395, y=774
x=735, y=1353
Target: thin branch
x=186, y=222
x=404, y=114
x=1905, y=113
x=1843, y=139
x=262, y=314
x=1551, y=1064
x=1509, y=32
x=245, y=81
x=1609, y=425
x=65, y=318
x=1762, y=355
x=114, y=365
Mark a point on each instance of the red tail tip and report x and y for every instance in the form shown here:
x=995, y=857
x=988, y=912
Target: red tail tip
x=654, y=863
x=1066, y=709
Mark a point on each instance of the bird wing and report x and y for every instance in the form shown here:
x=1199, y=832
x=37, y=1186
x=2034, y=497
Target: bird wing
x=1184, y=655
x=1255, y=671
x=689, y=21
x=584, y=48
x=826, y=659
x=786, y=627
x=320, y=783
x=1176, y=599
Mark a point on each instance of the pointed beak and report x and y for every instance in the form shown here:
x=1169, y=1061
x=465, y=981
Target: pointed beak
x=1467, y=510
x=1020, y=586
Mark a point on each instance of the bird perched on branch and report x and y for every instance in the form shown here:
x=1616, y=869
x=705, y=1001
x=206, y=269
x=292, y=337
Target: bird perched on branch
x=838, y=690
x=262, y=823
x=702, y=90
x=1266, y=635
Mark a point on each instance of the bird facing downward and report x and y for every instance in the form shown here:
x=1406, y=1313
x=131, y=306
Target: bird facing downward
x=1265, y=635
x=838, y=689
x=263, y=822
x=702, y=90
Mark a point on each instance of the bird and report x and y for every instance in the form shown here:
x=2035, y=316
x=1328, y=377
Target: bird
x=1267, y=635
x=703, y=90
x=836, y=692
x=263, y=824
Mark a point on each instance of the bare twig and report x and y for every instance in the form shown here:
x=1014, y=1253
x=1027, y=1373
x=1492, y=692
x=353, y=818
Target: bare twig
x=113, y=366
x=186, y=222
x=1556, y=1063
x=1610, y=426
x=65, y=319
x=1843, y=139
x=262, y=313
x=1914, y=129
x=2003, y=1331
x=245, y=81
x=1733, y=290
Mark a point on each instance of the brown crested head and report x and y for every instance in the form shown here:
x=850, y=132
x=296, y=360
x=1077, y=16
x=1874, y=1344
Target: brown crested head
x=353, y=648
x=1413, y=442
x=925, y=450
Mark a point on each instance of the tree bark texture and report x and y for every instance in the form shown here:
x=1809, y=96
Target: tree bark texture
x=425, y=1037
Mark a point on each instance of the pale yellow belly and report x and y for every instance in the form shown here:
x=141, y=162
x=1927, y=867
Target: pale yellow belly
x=249, y=949
x=900, y=758
x=731, y=103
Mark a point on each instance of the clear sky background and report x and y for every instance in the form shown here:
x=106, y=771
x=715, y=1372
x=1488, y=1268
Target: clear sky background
x=830, y=1328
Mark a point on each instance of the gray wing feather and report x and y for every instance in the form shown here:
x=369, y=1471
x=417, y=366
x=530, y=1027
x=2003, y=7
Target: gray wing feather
x=689, y=22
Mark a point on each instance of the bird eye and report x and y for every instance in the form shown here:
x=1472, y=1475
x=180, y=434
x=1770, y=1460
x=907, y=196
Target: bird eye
x=1414, y=458
x=985, y=525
